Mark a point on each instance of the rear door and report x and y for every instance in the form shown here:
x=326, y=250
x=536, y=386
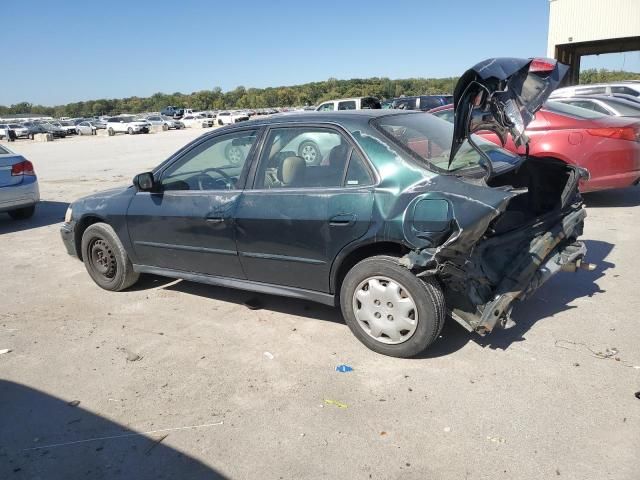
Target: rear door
x=299, y=215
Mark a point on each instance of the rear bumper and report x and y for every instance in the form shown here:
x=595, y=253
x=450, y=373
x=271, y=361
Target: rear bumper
x=22, y=195
x=68, y=238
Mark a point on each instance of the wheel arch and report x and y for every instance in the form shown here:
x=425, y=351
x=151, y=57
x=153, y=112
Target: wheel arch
x=348, y=259
x=81, y=226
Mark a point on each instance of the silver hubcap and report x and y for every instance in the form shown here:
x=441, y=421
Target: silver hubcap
x=309, y=154
x=385, y=310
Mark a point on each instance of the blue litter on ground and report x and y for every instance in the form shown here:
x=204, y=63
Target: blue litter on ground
x=344, y=368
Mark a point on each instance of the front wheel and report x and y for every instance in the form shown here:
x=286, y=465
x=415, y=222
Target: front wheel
x=111, y=132
x=389, y=309
x=105, y=258
x=130, y=131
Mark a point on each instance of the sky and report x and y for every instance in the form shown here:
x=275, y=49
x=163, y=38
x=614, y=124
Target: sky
x=68, y=51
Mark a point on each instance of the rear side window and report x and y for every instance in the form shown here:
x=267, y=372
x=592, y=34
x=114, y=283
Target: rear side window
x=305, y=157
x=572, y=110
x=625, y=90
x=357, y=172
x=348, y=105
x=326, y=107
x=625, y=109
x=589, y=106
x=370, y=103
x=427, y=103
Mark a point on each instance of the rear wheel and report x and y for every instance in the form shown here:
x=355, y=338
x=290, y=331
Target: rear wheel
x=111, y=132
x=22, y=213
x=130, y=131
x=105, y=258
x=389, y=309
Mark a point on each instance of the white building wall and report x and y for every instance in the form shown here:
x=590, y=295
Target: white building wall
x=572, y=21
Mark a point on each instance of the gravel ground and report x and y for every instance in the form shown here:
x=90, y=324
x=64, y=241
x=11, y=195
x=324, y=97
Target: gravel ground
x=259, y=387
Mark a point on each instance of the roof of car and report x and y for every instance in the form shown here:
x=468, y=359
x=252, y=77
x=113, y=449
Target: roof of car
x=366, y=114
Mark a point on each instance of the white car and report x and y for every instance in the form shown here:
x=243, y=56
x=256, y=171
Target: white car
x=227, y=118
x=197, y=121
x=629, y=87
x=357, y=103
x=163, y=121
x=68, y=126
x=127, y=125
x=86, y=128
x=19, y=130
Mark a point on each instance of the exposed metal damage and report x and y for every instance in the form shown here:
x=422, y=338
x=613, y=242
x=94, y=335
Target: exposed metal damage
x=509, y=233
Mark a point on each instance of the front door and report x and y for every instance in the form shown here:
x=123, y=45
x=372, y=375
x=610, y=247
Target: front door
x=188, y=225
x=303, y=211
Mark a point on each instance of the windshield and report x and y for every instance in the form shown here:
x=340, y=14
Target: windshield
x=429, y=138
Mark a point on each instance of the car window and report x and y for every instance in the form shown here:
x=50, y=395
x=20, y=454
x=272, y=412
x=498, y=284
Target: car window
x=304, y=157
x=589, y=105
x=215, y=164
x=625, y=90
x=571, y=110
x=357, y=172
x=370, y=103
x=626, y=109
x=326, y=107
x=447, y=114
x=348, y=105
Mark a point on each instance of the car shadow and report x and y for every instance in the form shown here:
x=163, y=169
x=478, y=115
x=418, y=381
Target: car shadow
x=552, y=298
x=259, y=301
x=43, y=436
x=621, y=197
x=47, y=213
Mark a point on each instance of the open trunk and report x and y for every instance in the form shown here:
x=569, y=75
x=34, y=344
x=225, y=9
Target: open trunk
x=534, y=237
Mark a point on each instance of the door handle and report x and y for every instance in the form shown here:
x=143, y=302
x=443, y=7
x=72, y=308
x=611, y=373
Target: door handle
x=215, y=219
x=342, y=220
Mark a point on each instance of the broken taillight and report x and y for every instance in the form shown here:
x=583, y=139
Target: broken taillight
x=618, y=133
x=542, y=65
x=23, y=168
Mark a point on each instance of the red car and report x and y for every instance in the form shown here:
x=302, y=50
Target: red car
x=608, y=147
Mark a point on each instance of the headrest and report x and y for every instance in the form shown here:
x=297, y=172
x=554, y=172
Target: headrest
x=292, y=170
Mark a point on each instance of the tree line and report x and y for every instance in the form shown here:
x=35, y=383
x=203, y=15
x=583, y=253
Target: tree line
x=297, y=95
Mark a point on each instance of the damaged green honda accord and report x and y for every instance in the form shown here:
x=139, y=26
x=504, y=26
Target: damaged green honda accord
x=402, y=219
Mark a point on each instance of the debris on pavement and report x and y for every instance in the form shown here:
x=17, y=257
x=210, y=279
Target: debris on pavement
x=131, y=356
x=5, y=350
x=344, y=368
x=637, y=394
x=336, y=403
x=269, y=355
x=496, y=439
x=607, y=354
x=74, y=403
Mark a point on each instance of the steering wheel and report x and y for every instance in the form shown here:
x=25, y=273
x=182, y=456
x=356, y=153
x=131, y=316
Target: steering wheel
x=203, y=177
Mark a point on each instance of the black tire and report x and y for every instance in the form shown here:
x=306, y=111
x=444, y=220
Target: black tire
x=111, y=132
x=426, y=293
x=105, y=258
x=22, y=213
x=310, y=152
x=130, y=131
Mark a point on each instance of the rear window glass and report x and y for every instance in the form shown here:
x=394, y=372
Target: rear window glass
x=370, y=103
x=572, y=110
x=625, y=109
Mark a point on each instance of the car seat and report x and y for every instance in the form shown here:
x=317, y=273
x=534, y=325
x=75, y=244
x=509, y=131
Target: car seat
x=291, y=172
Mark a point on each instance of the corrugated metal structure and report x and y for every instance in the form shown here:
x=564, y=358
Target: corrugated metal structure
x=589, y=27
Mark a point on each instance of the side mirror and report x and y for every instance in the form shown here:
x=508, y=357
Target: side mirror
x=145, y=182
